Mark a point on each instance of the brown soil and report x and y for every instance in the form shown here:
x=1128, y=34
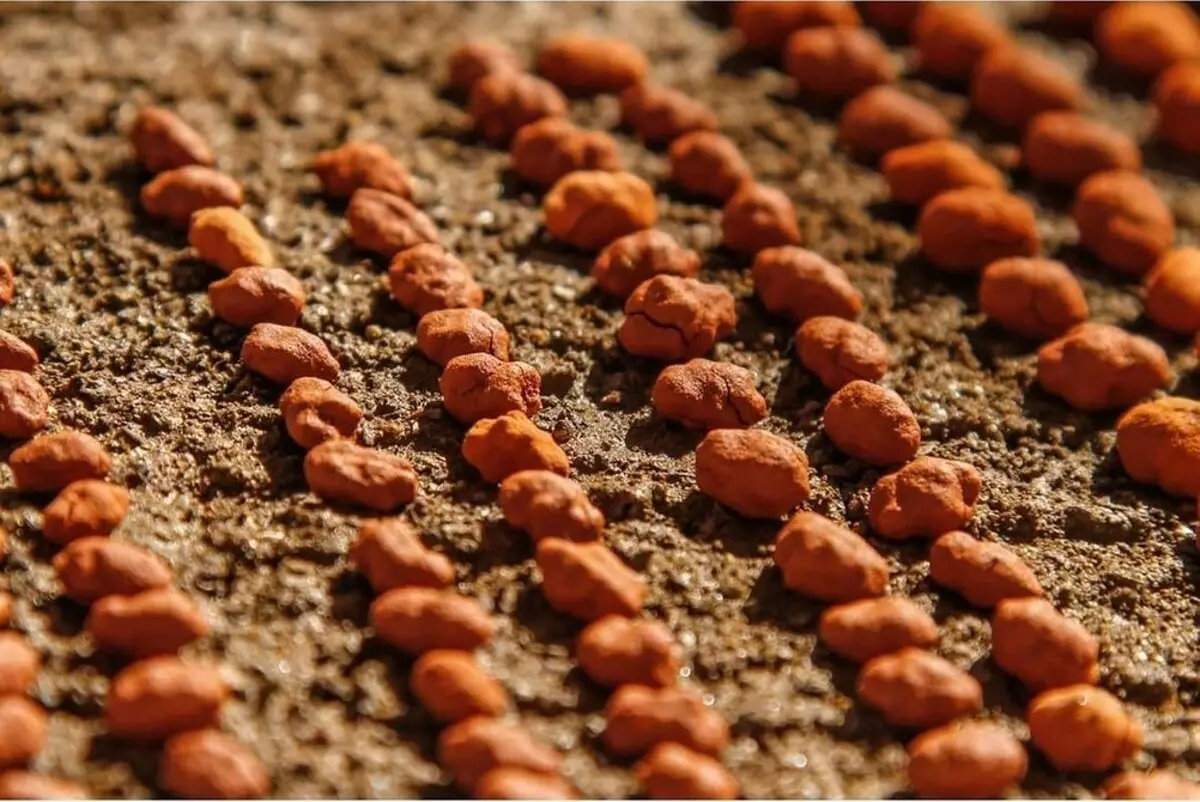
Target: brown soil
x=117, y=309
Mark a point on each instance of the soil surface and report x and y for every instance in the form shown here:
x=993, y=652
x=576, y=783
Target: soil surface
x=116, y=306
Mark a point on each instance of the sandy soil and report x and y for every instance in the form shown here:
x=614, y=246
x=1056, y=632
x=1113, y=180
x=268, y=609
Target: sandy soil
x=117, y=309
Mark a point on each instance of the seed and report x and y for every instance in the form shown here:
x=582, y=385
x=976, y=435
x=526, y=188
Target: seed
x=252, y=295
x=915, y=688
x=614, y=651
x=927, y=496
x=513, y=782
x=872, y=423
x=500, y=447
x=827, y=561
x=50, y=462
x=1011, y=85
x=283, y=354
x=163, y=141
x=161, y=696
x=226, y=239
x=1066, y=148
x=952, y=39
x=176, y=195
x=673, y=318
x=22, y=731
x=24, y=404
x=8, y=284
x=504, y=101
x=841, y=351
x=1095, y=366
x=355, y=165
x=1172, y=291
x=153, y=622
x=427, y=278
x=84, y=508
x=477, y=386
x=389, y=552
x=1177, y=100
x=18, y=784
x=387, y=224
x=1123, y=220
x=708, y=164
x=865, y=629
x=418, y=620
x=314, y=411
x=918, y=173
x=965, y=760
x=884, y=118
x=452, y=687
x=545, y=504
x=446, y=333
x=1159, y=784
x=1035, y=298
x=475, y=59
x=754, y=473
x=837, y=62
x=638, y=718
x=345, y=473
x=20, y=665
x=471, y=749
x=801, y=284
x=1159, y=443
x=671, y=771
x=968, y=229
x=634, y=258
x=207, y=764
x=757, y=217
x=983, y=573
x=1041, y=647
x=590, y=208
x=91, y=568
x=584, y=64
x=767, y=25
x=587, y=580
x=702, y=394
x=1147, y=38
x=15, y=354
x=660, y=115
x=1081, y=728
x=546, y=150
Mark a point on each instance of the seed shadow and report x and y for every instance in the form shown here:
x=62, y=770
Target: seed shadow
x=799, y=394
x=1114, y=80
x=656, y=435
x=543, y=249
x=350, y=598
x=770, y=601
x=515, y=187
x=917, y=280
x=615, y=370
x=679, y=195
x=892, y=211
x=716, y=14
x=127, y=178
x=1164, y=157
x=742, y=63
x=500, y=545
x=385, y=311
x=705, y=520
x=547, y=625
x=189, y=275
x=460, y=133
x=141, y=758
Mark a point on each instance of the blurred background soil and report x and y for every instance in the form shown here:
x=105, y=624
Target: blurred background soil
x=131, y=353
